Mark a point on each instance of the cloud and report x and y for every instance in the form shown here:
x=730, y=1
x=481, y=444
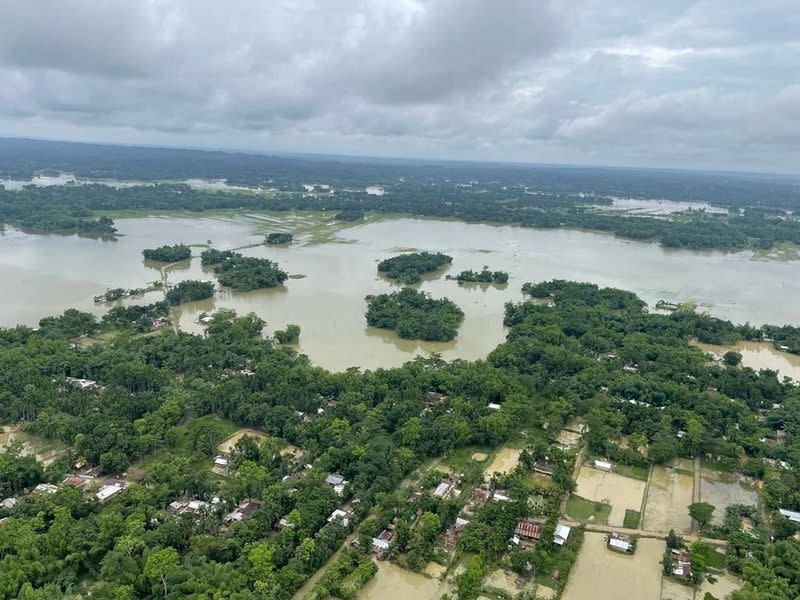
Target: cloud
x=705, y=83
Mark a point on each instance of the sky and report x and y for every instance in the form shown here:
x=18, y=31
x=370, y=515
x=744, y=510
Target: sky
x=662, y=83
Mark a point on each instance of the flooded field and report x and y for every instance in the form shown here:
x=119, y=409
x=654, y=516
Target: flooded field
x=619, y=491
x=759, y=355
x=600, y=573
x=507, y=582
x=725, y=489
x=227, y=446
x=722, y=588
x=45, y=451
x=672, y=590
x=394, y=583
x=668, y=496
x=504, y=461
x=338, y=262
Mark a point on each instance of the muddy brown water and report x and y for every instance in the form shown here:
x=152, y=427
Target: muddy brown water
x=602, y=574
x=725, y=489
x=620, y=491
x=668, y=497
x=395, y=583
x=759, y=355
x=52, y=272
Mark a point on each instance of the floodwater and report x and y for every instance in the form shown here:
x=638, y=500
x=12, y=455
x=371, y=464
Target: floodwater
x=45, y=274
x=725, y=489
x=759, y=355
x=395, y=583
x=619, y=491
x=661, y=206
x=668, y=498
x=45, y=451
x=601, y=573
x=505, y=461
x=722, y=588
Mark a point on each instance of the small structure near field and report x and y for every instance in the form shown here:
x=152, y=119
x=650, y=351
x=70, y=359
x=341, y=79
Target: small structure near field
x=340, y=515
x=109, y=492
x=526, y=533
x=243, y=511
x=561, y=535
x=620, y=543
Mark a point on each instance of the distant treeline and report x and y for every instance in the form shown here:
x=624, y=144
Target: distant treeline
x=73, y=209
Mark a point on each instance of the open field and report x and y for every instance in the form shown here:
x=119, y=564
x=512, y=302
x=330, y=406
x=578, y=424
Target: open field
x=45, y=451
x=504, y=461
x=585, y=510
x=621, y=492
x=394, y=583
x=725, y=489
x=668, y=498
x=672, y=590
x=507, y=582
x=227, y=446
x=602, y=574
x=721, y=588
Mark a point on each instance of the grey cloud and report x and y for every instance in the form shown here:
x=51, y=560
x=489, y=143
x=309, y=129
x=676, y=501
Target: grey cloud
x=709, y=83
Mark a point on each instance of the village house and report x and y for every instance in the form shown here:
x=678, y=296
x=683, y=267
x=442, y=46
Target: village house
x=792, y=515
x=561, y=535
x=283, y=523
x=493, y=406
x=9, y=503
x=380, y=544
x=544, y=467
x=243, y=511
x=341, y=515
x=45, y=488
x=682, y=566
x=526, y=533
x=602, y=465
x=447, y=487
x=221, y=465
x=620, y=543
x=110, y=491
x=631, y=368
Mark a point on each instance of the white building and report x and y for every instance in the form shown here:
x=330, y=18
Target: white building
x=562, y=534
x=107, y=492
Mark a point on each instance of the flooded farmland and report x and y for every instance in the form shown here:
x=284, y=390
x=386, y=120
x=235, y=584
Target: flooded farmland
x=45, y=451
x=504, y=461
x=338, y=265
x=668, y=496
x=619, y=491
x=759, y=355
x=725, y=489
x=394, y=583
x=600, y=573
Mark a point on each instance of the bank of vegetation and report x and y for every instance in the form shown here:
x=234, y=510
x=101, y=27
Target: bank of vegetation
x=160, y=405
x=243, y=273
x=189, y=291
x=278, y=239
x=409, y=268
x=168, y=254
x=485, y=275
x=415, y=315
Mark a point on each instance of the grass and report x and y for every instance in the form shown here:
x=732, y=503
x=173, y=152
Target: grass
x=459, y=460
x=631, y=471
x=582, y=509
x=711, y=465
x=632, y=518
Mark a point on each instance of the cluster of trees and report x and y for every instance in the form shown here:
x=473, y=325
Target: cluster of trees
x=485, y=275
x=290, y=335
x=137, y=318
x=349, y=215
x=415, y=315
x=189, y=291
x=278, y=238
x=168, y=254
x=243, y=273
x=409, y=268
x=166, y=401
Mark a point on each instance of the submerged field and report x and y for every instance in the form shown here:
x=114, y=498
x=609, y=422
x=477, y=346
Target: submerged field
x=622, y=493
x=668, y=496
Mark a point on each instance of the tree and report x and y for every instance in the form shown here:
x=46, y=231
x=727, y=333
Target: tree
x=160, y=565
x=701, y=512
x=732, y=358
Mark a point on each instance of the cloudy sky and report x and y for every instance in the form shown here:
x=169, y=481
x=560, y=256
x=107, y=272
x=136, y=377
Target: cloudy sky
x=676, y=83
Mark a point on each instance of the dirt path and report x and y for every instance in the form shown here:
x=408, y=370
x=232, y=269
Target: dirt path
x=575, y=472
x=696, y=490
x=640, y=532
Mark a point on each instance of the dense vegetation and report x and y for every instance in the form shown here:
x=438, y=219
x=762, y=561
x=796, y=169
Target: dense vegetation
x=350, y=215
x=409, y=268
x=485, y=275
x=168, y=254
x=189, y=291
x=278, y=238
x=290, y=335
x=243, y=273
x=415, y=315
x=164, y=402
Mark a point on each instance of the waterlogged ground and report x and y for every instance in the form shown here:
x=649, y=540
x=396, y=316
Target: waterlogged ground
x=611, y=488
x=602, y=574
x=395, y=583
x=725, y=489
x=668, y=496
x=505, y=461
x=759, y=355
x=335, y=266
